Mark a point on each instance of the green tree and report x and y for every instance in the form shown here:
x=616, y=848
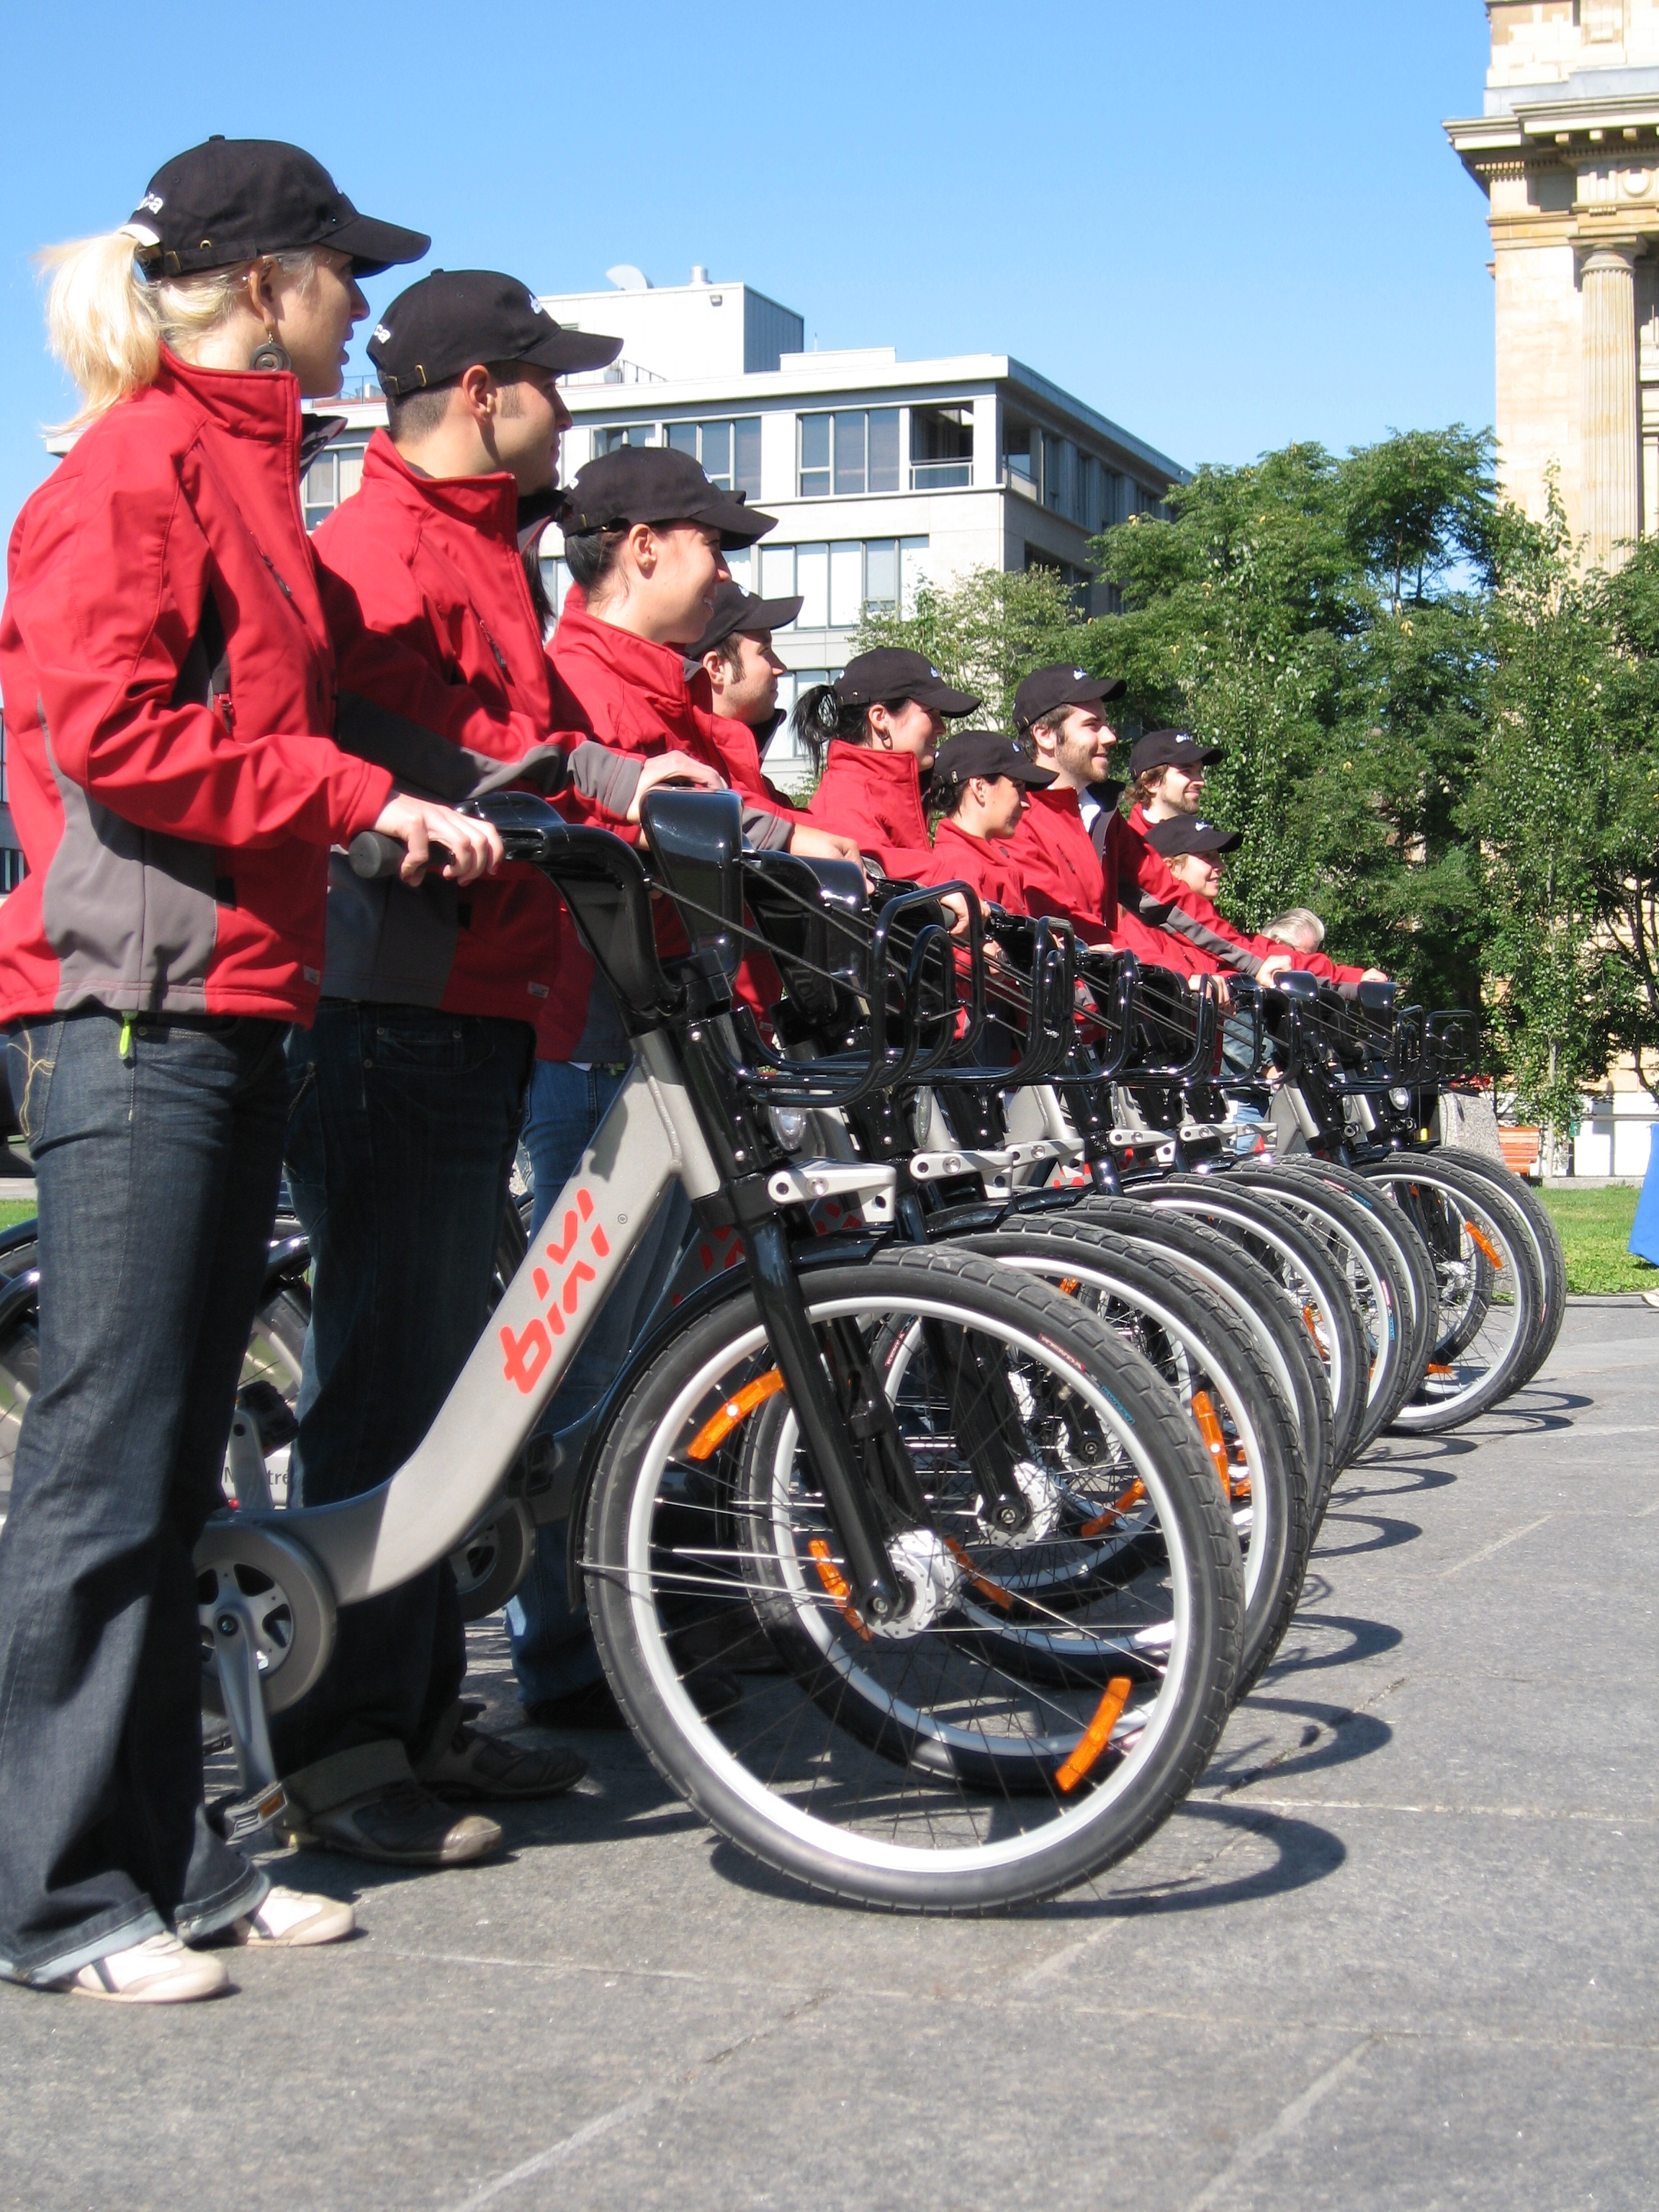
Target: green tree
x=1325, y=621
x=984, y=631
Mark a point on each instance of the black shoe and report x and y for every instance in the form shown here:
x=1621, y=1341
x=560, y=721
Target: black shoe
x=713, y=1691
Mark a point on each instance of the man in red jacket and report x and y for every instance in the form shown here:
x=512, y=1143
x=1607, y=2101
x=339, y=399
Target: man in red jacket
x=408, y=1092
x=732, y=672
x=1069, y=847
x=1167, y=767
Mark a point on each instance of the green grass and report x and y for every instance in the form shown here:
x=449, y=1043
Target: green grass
x=13, y=1211
x=1595, y=1228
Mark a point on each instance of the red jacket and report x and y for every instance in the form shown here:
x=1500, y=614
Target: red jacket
x=169, y=692
x=874, y=797
x=631, y=695
x=1059, y=867
x=1163, y=899
x=738, y=750
x=432, y=564
x=986, y=863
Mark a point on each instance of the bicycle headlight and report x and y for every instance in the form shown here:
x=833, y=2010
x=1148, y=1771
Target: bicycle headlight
x=788, y=1126
x=1399, y=1098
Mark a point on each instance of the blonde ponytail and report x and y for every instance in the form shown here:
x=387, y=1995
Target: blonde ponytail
x=107, y=323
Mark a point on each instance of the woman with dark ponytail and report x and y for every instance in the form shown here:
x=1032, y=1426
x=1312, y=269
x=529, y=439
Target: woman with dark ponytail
x=874, y=732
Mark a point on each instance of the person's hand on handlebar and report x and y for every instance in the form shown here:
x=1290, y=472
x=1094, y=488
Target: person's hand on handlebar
x=672, y=768
x=418, y=824
x=1374, y=975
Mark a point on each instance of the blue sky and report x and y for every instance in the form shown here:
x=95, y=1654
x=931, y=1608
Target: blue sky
x=1225, y=226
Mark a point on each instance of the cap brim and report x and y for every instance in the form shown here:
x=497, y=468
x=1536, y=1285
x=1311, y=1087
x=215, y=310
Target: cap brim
x=1220, y=841
x=941, y=698
x=738, y=523
x=568, y=352
x=1037, y=778
x=765, y=615
x=375, y=246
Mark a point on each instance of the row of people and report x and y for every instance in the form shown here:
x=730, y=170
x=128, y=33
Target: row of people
x=201, y=703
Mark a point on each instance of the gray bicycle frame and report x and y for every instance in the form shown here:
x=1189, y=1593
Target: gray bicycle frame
x=648, y=1139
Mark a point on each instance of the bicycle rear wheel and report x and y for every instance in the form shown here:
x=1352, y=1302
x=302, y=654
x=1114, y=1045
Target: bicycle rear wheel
x=909, y=1766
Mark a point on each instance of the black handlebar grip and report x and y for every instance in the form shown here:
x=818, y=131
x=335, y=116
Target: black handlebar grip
x=375, y=856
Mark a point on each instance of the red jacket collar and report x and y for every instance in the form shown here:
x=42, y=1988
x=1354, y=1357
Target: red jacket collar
x=252, y=402
x=900, y=769
x=657, y=670
x=1057, y=798
x=488, y=503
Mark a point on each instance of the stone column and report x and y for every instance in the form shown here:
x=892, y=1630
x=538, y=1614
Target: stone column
x=1611, y=425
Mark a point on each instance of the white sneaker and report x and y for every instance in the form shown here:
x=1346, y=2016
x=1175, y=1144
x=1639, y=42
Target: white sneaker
x=289, y=1917
x=158, y=1971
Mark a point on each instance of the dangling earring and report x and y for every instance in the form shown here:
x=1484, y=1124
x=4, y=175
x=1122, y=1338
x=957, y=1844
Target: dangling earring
x=272, y=354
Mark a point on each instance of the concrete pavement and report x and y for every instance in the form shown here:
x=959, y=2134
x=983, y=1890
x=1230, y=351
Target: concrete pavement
x=1401, y=1949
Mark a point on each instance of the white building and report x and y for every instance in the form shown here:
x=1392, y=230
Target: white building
x=880, y=471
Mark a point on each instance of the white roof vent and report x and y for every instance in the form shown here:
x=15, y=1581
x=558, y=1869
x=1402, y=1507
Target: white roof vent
x=626, y=279
x=699, y=274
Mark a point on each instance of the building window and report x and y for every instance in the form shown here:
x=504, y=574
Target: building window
x=941, y=448
x=836, y=582
x=852, y=451
x=729, y=452
x=615, y=435
x=13, y=867
x=1020, y=464
x=332, y=476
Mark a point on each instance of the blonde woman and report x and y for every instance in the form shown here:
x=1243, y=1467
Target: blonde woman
x=168, y=687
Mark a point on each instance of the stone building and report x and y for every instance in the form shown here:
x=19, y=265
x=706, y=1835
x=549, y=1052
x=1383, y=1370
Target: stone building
x=1567, y=152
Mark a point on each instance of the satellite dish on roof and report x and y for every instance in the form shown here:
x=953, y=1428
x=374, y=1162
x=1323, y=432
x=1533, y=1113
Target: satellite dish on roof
x=626, y=279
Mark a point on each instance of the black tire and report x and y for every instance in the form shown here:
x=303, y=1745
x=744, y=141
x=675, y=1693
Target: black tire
x=781, y=1778
x=1194, y=1341
x=1552, y=1260
x=1379, y=1287
x=1490, y=1287
x=1307, y=1280
x=1284, y=1347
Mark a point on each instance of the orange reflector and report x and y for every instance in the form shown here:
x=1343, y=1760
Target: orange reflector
x=837, y=1583
x=1311, y=1320
x=1069, y=1286
x=1486, y=1244
x=1435, y=1368
x=716, y=1429
x=1097, y=1734
x=1114, y=1512
x=982, y=1584
x=1209, y=1427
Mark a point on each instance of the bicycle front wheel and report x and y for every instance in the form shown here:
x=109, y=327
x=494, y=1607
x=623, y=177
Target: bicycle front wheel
x=918, y=1766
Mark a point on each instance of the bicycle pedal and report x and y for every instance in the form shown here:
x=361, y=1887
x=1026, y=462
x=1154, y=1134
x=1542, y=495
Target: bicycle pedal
x=239, y=1818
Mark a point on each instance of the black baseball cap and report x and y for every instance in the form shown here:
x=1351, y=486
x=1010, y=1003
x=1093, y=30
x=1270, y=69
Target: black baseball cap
x=456, y=317
x=737, y=612
x=1046, y=690
x=656, y=483
x=1186, y=834
x=891, y=673
x=1170, y=749
x=988, y=753
x=233, y=200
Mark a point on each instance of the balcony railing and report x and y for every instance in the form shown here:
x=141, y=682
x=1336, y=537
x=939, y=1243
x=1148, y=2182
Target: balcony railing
x=620, y=371
x=941, y=476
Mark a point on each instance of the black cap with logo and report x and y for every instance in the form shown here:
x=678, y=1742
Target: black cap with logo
x=891, y=673
x=1170, y=749
x=233, y=199
x=740, y=613
x=988, y=753
x=1185, y=833
x=656, y=483
x=457, y=317
x=1045, y=691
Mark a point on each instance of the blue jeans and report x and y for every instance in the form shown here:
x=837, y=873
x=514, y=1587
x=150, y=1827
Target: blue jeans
x=553, y=1649
x=402, y=1128
x=157, y=1175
